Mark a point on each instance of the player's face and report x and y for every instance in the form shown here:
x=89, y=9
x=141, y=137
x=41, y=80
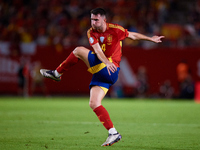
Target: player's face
x=97, y=21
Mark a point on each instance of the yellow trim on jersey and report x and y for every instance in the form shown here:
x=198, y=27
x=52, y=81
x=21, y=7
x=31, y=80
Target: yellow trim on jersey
x=104, y=89
x=116, y=26
x=88, y=32
x=121, y=43
x=98, y=67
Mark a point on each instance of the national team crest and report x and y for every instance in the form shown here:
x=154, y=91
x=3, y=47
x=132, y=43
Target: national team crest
x=109, y=38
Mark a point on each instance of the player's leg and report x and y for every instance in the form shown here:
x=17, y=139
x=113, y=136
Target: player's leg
x=71, y=60
x=82, y=53
x=96, y=96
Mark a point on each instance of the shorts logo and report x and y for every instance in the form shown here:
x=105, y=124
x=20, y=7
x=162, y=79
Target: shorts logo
x=91, y=40
x=101, y=39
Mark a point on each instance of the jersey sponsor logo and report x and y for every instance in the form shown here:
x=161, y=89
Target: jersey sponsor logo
x=101, y=39
x=91, y=40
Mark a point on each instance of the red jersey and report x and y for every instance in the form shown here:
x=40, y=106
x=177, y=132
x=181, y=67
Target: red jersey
x=110, y=41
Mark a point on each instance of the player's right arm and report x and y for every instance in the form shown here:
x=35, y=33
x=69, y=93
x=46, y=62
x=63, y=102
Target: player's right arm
x=110, y=66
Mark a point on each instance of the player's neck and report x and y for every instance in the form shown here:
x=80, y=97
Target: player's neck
x=103, y=29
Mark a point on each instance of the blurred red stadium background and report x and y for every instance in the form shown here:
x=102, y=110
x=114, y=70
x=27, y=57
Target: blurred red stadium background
x=160, y=63
x=46, y=31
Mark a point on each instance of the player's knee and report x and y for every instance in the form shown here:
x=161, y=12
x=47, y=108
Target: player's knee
x=77, y=51
x=93, y=104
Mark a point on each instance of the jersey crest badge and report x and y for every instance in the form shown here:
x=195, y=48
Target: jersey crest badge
x=101, y=39
x=109, y=38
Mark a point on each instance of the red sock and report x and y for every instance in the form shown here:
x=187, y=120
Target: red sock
x=104, y=117
x=67, y=63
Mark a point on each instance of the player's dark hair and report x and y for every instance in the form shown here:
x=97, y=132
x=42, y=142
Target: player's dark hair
x=97, y=11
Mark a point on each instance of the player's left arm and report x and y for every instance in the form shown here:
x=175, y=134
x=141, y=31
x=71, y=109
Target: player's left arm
x=138, y=36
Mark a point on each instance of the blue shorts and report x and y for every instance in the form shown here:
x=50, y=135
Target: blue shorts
x=100, y=73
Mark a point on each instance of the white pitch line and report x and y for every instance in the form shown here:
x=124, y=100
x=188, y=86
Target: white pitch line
x=85, y=123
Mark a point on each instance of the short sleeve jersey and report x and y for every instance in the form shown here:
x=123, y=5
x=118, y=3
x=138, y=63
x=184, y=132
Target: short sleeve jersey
x=110, y=41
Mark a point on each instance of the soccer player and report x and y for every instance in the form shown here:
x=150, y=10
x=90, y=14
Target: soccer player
x=103, y=61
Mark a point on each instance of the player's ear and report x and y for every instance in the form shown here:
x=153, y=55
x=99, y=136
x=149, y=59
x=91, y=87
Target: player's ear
x=104, y=18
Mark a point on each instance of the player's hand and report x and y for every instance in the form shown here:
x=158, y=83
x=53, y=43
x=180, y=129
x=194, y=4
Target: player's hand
x=111, y=68
x=157, y=39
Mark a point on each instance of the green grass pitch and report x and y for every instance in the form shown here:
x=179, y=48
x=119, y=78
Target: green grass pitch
x=68, y=123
